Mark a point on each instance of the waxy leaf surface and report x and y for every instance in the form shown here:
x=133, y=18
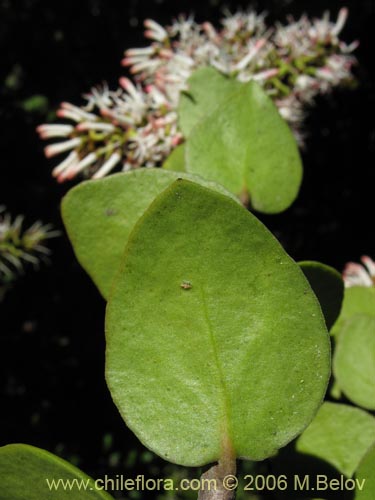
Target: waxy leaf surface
x=26, y=469
x=246, y=146
x=328, y=286
x=208, y=89
x=99, y=216
x=215, y=340
x=339, y=435
x=354, y=360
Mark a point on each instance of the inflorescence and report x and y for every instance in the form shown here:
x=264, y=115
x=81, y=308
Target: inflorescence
x=18, y=246
x=136, y=125
x=360, y=274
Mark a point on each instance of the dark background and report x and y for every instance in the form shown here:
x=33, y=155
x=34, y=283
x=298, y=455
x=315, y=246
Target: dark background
x=53, y=393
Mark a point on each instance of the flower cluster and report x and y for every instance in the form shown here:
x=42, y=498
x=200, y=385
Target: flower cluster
x=136, y=125
x=360, y=275
x=18, y=247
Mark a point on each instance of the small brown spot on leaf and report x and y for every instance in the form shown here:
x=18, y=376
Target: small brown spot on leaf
x=186, y=285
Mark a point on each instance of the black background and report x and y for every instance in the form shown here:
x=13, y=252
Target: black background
x=51, y=323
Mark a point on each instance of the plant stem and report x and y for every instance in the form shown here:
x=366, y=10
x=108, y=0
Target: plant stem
x=223, y=477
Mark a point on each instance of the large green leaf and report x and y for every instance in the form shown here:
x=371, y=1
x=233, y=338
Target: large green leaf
x=214, y=336
x=357, y=300
x=366, y=475
x=99, y=216
x=339, y=435
x=27, y=473
x=247, y=147
x=354, y=360
x=327, y=285
x=208, y=89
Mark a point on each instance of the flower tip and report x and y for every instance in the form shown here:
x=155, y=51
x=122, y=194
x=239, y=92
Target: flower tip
x=260, y=43
x=66, y=175
x=176, y=140
x=124, y=82
x=48, y=152
x=367, y=260
x=69, y=176
x=60, y=178
x=105, y=113
x=344, y=11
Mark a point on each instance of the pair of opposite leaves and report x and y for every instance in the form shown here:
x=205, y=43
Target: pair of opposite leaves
x=215, y=341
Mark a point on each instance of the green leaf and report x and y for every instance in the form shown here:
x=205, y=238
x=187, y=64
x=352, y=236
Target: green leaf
x=247, y=147
x=208, y=89
x=366, y=475
x=99, y=216
x=357, y=300
x=328, y=286
x=354, y=360
x=25, y=471
x=217, y=343
x=339, y=435
x=176, y=160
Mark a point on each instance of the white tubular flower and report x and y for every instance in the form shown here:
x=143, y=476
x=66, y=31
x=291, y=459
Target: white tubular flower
x=71, y=159
x=341, y=21
x=98, y=126
x=61, y=147
x=136, y=125
x=252, y=51
x=50, y=131
x=360, y=275
x=109, y=165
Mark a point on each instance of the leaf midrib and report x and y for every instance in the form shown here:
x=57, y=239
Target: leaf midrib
x=225, y=400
